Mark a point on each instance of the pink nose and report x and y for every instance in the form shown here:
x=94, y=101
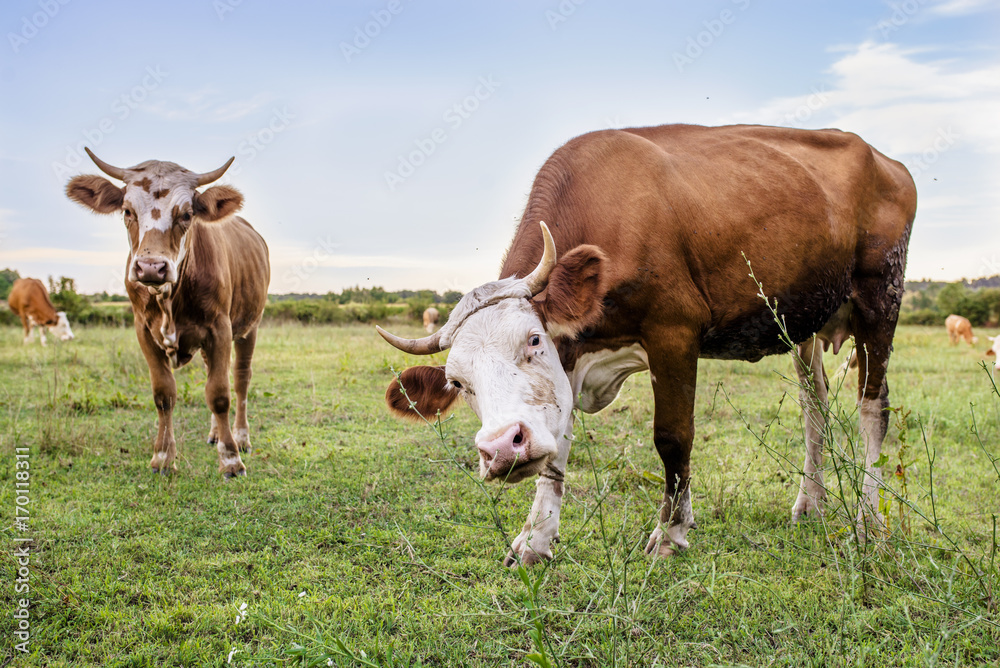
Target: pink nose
x=151, y=271
x=501, y=453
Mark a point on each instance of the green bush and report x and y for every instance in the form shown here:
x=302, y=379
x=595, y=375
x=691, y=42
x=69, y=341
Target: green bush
x=924, y=316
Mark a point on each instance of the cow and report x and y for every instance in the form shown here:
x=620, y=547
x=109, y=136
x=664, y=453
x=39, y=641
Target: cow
x=29, y=300
x=197, y=277
x=659, y=230
x=959, y=329
x=431, y=317
x=992, y=352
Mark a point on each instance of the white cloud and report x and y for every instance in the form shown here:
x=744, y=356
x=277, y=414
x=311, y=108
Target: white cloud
x=207, y=105
x=961, y=7
x=64, y=255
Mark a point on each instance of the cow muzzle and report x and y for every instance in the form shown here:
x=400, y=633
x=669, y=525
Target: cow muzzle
x=510, y=456
x=152, y=271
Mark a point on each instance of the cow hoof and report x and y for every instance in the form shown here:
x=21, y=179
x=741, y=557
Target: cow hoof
x=212, y=440
x=229, y=474
x=662, y=544
x=529, y=558
x=806, y=506
x=164, y=471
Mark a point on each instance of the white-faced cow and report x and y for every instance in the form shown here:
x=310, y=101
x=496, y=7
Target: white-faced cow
x=29, y=300
x=653, y=225
x=197, y=276
x=431, y=317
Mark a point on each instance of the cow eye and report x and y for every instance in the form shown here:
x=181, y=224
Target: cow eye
x=128, y=213
x=534, y=340
x=456, y=384
x=186, y=217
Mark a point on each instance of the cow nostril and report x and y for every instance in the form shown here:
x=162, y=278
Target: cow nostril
x=518, y=438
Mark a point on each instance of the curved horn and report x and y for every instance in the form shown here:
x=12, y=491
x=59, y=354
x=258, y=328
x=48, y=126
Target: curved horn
x=110, y=170
x=425, y=346
x=539, y=278
x=214, y=175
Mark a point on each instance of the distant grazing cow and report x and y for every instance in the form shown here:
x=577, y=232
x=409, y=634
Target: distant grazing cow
x=992, y=352
x=959, y=328
x=431, y=317
x=656, y=226
x=30, y=301
x=197, y=277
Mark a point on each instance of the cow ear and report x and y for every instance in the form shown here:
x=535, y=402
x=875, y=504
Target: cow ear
x=427, y=392
x=574, y=296
x=217, y=202
x=96, y=193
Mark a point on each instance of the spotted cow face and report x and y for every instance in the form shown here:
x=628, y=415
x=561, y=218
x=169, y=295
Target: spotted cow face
x=160, y=202
x=505, y=364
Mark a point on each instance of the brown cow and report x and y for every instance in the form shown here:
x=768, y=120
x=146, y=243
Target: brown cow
x=30, y=301
x=197, y=276
x=656, y=227
x=431, y=317
x=959, y=328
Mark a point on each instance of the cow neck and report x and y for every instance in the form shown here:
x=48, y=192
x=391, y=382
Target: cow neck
x=169, y=340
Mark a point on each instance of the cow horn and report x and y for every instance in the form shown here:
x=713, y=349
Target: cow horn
x=425, y=346
x=110, y=170
x=539, y=278
x=214, y=175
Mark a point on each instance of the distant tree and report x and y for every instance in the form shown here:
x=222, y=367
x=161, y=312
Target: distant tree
x=451, y=297
x=7, y=278
x=65, y=297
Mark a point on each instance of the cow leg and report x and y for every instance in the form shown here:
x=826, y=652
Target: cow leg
x=26, y=323
x=241, y=380
x=674, y=374
x=534, y=543
x=874, y=325
x=217, y=353
x=213, y=428
x=813, y=398
x=164, y=397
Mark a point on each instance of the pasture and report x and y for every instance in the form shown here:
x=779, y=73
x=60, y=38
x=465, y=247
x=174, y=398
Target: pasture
x=359, y=540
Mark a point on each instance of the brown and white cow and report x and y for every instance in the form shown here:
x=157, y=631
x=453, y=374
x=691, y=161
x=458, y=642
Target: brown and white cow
x=29, y=300
x=431, y=317
x=197, y=277
x=655, y=227
x=959, y=329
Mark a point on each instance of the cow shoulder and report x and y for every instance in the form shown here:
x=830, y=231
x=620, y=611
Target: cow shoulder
x=575, y=293
x=426, y=392
x=96, y=193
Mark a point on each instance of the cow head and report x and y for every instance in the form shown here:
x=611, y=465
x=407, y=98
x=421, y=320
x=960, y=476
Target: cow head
x=61, y=327
x=504, y=363
x=160, y=202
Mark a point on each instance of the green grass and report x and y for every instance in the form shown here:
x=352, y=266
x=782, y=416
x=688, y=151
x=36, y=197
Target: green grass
x=359, y=540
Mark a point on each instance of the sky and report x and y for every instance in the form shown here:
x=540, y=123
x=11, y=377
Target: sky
x=393, y=143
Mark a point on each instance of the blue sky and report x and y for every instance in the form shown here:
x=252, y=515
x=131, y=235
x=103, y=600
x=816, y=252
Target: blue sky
x=393, y=142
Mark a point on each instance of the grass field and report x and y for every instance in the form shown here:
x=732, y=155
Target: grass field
x=358, y=540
